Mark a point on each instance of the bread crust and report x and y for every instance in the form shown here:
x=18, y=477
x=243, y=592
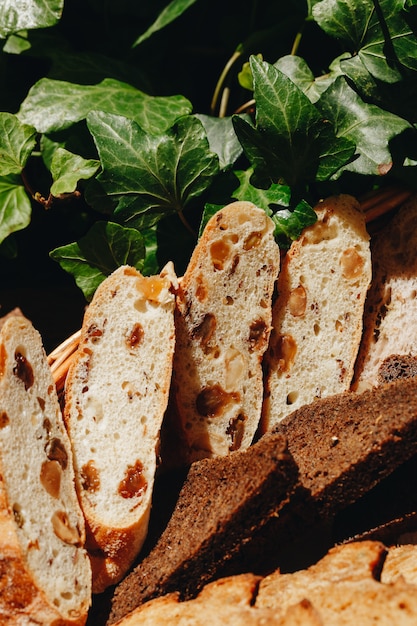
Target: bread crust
x=115, y=397
x=27, y=595
x=317, y=315
x=391, y=305
x=223, y=501
x=223, y=321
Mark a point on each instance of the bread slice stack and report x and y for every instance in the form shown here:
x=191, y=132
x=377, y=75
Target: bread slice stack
x=223, y=322
x=45, y=573
x=389, y=344
x=115, y=398
x=317, y=316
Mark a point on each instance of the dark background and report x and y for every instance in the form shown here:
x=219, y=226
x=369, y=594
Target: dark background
x=93, y=40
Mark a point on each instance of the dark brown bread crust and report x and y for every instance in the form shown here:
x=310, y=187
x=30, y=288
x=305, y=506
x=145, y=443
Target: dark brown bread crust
x=344, y=445
x=222, y=502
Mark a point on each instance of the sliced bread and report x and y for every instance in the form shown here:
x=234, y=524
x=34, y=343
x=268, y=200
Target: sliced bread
x=317, y=316
x=223, y=501
x=45, y=573
x=223, y=321
x=391, y=305
x=115, y=398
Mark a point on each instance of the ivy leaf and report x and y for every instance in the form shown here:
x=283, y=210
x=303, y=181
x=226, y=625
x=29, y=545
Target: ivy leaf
x=18, y=15
x=297, y=69
x=67, y=169
x=222, y=138
x=367, y=125
x=102, y=250
x=17, y=141
x=151, y=176
x=290, y=224
x=173, y=10
x=377, y=31
x=291, y=142
x=275, y=194
x=15, y=207
x=53, y=105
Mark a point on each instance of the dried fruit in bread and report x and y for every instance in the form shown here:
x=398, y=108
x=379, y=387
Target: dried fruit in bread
x=223, y=321
x=45, y=573
x=115, y=398
x=317, y=316
x=391, y=305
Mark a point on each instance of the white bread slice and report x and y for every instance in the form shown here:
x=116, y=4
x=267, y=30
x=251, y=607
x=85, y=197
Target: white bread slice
x=115, y=398
x=223, y=321
x=391, y=305
x=317, y=316
x=45, y=573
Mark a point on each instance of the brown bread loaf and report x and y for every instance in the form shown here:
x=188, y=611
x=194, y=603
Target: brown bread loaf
x=226, y=601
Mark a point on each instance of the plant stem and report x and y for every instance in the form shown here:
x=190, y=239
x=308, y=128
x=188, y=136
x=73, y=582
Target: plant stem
x=222, y=80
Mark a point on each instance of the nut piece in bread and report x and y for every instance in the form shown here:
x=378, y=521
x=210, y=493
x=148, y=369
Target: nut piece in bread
x=45, y=573
x=223, y=321
x=391, y=305
x=115, y=398
x=317, y=316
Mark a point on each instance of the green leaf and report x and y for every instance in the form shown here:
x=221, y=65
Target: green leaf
x=18, y=15
x=151, y=176
x=15, y=207
x=53, y=105
x=17, y=141
x=275, y=194
x=103, y=249
x=291, y=143
x=67, y=169
x=367, y=125
x=167, y=15
x=299, y=72
x=289, y=224
x=377, y=31
x=222, y=138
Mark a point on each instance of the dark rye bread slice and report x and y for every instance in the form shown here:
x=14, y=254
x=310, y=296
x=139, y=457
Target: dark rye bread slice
x=222, y=502
x=343, y=445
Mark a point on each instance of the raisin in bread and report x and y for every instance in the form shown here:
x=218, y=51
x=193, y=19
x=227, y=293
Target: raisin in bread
x=391, y=305
x=45, y=573
x=223, y=321
x=223, y=501
x=115, y=398
x=317, y=316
